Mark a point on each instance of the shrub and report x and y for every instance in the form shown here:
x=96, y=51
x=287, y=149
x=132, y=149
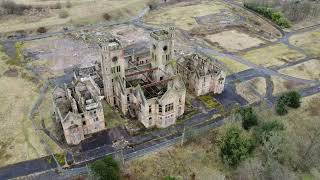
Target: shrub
x=170, y=178
x=264, y=131
x=107, y=168
x=293, y=99
x=235, y=146
x=248, y=117
x=151, y=4
x=106, y=16
x=11, y=7
x=68, y=4
x=281, y=108
x=63, y=14
x=60, y=158
x=42, y=30
x=290, y=99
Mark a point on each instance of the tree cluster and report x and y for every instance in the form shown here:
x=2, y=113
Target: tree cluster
x=270, y=13
x=249, y=117
x=235, y=146
x=299, y=10
x=106, y=169
x=289, y=99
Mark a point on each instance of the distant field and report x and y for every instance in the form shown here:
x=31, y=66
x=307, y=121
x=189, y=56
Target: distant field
x=183, y=16
x=309, y=41
x=282, y=85
x=308, y=70
x=273, y=55
x=81, y=12
x=234, y=40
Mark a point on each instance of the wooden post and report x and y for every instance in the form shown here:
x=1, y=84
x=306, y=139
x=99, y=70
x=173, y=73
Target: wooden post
x=183, y=135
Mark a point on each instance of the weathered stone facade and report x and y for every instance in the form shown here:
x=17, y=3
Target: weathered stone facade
x=148, y=85
x=201, y=74
x=144, y=87
x=78, y=107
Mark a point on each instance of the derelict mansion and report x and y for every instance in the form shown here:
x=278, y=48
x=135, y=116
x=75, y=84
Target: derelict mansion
x=149, y=86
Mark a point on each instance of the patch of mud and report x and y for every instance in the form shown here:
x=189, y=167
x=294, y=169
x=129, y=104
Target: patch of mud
x=11, y=73
x=223, y=18
x=62, y=53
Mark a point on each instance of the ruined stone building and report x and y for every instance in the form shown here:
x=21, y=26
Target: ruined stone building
x=201, y=74
x=79, y=110
x=148, y=85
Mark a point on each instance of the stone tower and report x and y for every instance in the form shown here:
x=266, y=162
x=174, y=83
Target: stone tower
x=113, y=68
x=161, y=50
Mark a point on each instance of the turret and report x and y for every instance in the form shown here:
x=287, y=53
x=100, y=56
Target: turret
x=162, y=50
x=112, y=65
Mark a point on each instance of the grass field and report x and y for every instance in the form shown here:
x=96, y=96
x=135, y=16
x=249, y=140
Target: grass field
x=309, y=41
x=282, y=85
x=183, y=16
x=234, y=40
x=209, y=101
x=308, y=70
x=273, y=55
x=81, y=12
x=232, y=65
x=19, y=140
x=245, y=89
x=198, y=158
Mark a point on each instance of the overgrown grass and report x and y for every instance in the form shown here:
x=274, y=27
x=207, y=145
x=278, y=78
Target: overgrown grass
x=209, y=101
x=112, y=118
x=18, y=59
x=61, y=158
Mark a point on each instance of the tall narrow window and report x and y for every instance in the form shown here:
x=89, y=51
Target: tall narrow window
x=169, y=107
x=160, y=108
x=150, y=109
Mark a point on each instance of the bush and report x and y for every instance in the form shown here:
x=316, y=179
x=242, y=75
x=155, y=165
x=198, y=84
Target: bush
x=11, y=7
x=264, y=131
x=42, y=30
x=68, y=4
x=235, y=146
x=275, y=16
x=107, y=168
x=290, y=99
x=106, y=16
x=293, y=99
x=60, y=158
x=63, y=14
x=170, y=178
x=281, y=108
x=152, y=4
x=248, y=117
